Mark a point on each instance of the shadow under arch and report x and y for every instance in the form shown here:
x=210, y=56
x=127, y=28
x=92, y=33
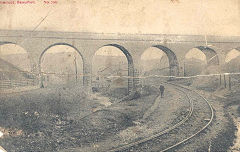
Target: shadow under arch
x=131, y=84
x=238, y=48
x=56, y=44
x=211, y=55
x=172, y=59
x=6, y=42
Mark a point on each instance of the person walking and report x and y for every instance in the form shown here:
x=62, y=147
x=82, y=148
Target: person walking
x=161, y=88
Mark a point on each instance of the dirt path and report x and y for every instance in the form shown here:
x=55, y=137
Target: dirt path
x=159, y=116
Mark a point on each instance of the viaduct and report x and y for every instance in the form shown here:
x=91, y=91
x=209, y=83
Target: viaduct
x=36, y=43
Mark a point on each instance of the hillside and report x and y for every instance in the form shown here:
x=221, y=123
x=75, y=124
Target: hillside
x=232, y=66
x=194, y=67
x=21, y=61
x=149, y=65
x=8, y=71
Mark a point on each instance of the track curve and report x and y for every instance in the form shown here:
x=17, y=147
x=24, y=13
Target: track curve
x=209, y=122
x=156, y=142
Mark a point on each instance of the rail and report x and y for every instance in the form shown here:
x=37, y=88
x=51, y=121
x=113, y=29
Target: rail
x=129, y=145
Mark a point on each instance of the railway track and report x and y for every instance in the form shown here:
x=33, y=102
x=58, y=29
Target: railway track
x=199, y=117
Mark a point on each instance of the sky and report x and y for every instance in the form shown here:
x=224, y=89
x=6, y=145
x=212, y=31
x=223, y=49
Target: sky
x=198, y=17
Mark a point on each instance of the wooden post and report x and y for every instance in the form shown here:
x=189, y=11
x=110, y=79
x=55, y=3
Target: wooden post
x=229, y=83
x=220, y=79
x=184, y=72
x=224, y=78
x=76, y=72
x=41, y=81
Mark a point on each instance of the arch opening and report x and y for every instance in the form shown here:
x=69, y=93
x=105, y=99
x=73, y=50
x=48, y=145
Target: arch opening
x=61, y=64
x=232, y=61
x=159, y=60
x=15, y=66
x=200, y=60
x=211, y=55
x=238, y=48
x=195, y=62
x=112, y=69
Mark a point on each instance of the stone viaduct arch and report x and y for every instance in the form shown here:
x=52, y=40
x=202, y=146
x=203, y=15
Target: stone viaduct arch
x=130, y=63
x=211, y=59
x=26, y=47
x=7, y=42
x=172, y=59
x=211, y=55
x=229, y=50
x=23, y=48
x=171, y=56
x=45, y=50
x=232, y=62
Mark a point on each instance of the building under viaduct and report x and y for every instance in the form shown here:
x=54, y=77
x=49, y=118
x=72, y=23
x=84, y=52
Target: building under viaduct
x=36, y=43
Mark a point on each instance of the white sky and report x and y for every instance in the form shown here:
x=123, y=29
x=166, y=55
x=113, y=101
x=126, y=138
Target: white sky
x=213, y=17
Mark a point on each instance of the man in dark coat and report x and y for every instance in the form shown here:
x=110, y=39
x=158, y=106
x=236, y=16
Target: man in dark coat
x=161, y=88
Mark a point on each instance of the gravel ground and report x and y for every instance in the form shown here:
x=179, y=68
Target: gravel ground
x=106, y=123
x=195, y=123
x=160, y=116
x=220, y=136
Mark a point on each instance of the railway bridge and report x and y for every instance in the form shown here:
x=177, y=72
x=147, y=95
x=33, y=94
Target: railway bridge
x=36, y=43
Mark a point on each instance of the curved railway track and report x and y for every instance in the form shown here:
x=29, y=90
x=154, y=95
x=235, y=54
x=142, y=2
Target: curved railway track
x=199, y=117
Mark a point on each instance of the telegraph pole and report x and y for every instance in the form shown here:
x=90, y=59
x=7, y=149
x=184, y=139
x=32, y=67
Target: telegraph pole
x=224, y=78
x=75, y=63
x=229, y=82
x=184, y=72
x=220, y=79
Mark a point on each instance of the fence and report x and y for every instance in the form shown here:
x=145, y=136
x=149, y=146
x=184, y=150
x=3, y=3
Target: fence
x=7, y=84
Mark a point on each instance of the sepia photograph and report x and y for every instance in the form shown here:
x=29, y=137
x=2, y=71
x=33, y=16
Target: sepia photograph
x=119, y=76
